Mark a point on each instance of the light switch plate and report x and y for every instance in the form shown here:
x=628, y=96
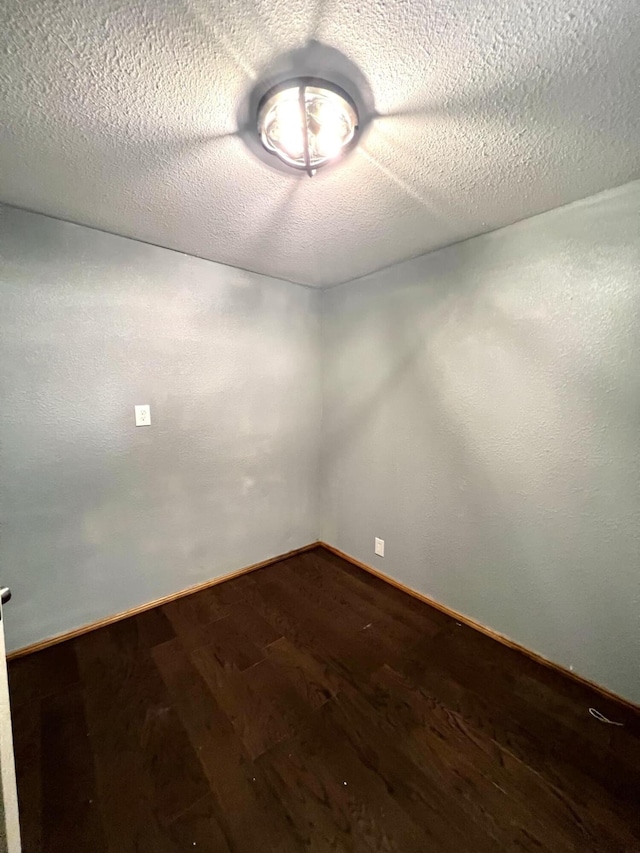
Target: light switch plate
x=143, y=415
x=379, y=546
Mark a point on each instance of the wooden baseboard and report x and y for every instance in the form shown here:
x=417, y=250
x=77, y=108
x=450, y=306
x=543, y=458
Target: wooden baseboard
x=459, y=617
x=134, y=611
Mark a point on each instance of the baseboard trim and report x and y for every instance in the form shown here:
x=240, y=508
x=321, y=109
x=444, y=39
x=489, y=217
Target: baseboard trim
x=134, y=611
x=495, y=635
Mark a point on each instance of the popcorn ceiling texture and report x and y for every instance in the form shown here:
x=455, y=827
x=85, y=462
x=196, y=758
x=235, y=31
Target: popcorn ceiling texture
x=122, y=116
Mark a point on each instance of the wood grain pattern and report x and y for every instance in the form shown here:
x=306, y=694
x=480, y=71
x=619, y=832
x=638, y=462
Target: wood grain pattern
x=314, y=681
x=48, y=642
x=261, y=703
x=249, y=816
x=44, y=674
x=27, y=747
x=312, y=706
x=71, y=817
x=605, y=694
x=198, y=828
x=336, y=800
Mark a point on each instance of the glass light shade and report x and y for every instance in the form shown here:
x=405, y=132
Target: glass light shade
x=306, y=124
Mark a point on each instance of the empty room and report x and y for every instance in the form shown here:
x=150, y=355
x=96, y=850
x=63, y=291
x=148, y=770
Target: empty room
x=319, y=426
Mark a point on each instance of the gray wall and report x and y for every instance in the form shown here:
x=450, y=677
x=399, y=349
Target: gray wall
x=482, y=414
x=96, y=515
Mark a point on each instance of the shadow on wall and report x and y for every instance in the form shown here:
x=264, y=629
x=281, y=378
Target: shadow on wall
x=99, y=516
x=486, y=404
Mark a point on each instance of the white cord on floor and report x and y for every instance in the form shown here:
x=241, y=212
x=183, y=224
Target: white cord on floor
x=602, y=718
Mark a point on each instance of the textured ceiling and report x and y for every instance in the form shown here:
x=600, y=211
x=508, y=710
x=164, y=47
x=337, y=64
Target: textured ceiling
x=128, y=116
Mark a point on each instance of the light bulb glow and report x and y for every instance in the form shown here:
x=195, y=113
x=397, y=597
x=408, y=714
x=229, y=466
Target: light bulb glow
x=284, y=127
x=329, y=118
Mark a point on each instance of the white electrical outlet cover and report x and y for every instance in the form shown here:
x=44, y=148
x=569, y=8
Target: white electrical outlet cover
x=379, y=546
x=143, y=415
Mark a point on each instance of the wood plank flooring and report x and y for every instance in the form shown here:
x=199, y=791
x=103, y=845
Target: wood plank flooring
x=311, y=706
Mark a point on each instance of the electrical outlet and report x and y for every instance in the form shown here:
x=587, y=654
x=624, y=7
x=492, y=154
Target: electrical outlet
x=379, y=547
x=143, y=415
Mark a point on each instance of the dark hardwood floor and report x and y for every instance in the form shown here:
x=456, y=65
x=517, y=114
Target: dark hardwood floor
x=311, y=706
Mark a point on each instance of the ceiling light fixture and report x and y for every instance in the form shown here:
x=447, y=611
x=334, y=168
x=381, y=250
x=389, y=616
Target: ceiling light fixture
x=307, y=123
